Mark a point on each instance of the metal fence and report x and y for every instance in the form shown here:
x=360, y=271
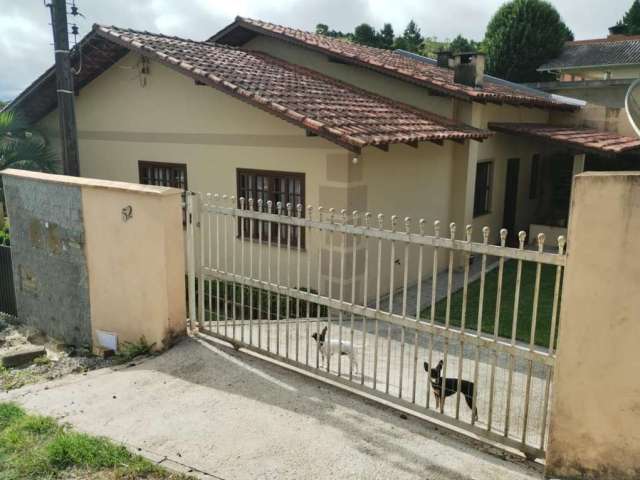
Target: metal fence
x=7, y=292
x=377, y=307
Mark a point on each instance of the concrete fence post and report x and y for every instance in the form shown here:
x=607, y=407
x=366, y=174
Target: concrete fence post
x=595, y=409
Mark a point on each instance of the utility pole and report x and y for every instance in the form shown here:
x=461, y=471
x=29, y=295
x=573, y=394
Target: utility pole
x=64, y=80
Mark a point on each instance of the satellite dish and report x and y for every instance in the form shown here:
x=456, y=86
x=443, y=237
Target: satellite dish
x=632, y=105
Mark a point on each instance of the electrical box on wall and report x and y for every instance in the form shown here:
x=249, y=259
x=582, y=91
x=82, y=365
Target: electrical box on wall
x=107, y=340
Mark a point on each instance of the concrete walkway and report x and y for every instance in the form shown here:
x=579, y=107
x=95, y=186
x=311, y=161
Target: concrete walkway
x=231, y=415
x=442, y=287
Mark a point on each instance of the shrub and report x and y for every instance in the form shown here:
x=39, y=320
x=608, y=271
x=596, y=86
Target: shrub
x=4, y=234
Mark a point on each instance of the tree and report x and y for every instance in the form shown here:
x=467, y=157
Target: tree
x=411, y=39
x=521, y=36
x=431, y=46
x=22, y=147
x=322, y=29
x=365, y=35
x=461, y=44
x=631, y=19
x=386, y=36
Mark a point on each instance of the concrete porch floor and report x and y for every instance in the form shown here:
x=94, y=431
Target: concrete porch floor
x=231, y=415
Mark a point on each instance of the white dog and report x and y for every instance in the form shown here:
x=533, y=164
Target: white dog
x=343, y=347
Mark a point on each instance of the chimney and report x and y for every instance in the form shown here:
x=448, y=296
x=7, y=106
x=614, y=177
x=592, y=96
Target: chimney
x=444, y=58
x=468, y=69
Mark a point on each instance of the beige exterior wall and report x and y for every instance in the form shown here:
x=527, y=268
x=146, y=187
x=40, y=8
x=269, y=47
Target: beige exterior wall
x=497, y=149
x=120, y=123
x=595, y=415
x=461, y=175
x=358, y=76
x=600, y=73
x=136, y=268
x=601, y=117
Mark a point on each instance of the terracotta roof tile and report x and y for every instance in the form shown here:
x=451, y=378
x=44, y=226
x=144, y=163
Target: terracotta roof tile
x=577, y=137
x=398, y=65
x=337, y=111
x=597, y=52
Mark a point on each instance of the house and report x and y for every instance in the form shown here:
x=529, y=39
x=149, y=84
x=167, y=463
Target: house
x=268, y=112
x=597, y=70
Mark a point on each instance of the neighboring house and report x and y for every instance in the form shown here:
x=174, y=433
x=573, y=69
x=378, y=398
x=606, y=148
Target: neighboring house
x=285, y=115
x=598, y=70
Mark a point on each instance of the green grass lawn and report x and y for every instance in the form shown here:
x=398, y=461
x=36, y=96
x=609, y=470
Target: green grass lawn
x=35, y=447
x=525, y=306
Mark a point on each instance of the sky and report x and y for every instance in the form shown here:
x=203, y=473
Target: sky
x=26, y=41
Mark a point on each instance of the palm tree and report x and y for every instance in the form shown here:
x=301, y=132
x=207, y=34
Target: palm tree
x=22, y=147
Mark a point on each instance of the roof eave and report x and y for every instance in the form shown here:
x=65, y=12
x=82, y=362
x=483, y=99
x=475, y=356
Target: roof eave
x=499, y=127
x=545, y=68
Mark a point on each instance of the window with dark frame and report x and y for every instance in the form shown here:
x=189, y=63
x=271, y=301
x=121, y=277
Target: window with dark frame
x=482, y=194
x=274, y=186
x=165, y=175
x=534, y=180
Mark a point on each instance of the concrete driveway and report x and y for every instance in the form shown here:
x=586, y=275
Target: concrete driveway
x=231, y=415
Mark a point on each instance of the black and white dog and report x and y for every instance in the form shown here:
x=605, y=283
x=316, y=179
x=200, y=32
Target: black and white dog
x=335, y=346
x=450, y=387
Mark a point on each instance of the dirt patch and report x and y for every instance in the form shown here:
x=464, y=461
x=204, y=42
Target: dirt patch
x=60, y=359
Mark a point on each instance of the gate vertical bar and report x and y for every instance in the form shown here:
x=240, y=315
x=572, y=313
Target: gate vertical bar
x=496, y=329
x=514, y=329
x=552, y=338
x=532, y=337
x=191, y=258
x=200, y=264
x=434, y=284
x=447, y=317
x=241, y=222
x=354, y=255
x=392, y=255
x=251, y=233
x=298, y=288
x=343, y=248
x=463, y=320
x=483, y=273
x=210, y=262
x=307, y=304
x=377, y=324
x=367, y=219
x=418, y=306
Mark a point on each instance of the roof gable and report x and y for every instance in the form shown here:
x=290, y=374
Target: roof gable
x=432, y=77
x=341, y=113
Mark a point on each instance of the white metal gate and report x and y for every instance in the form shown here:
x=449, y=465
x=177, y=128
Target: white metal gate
x=268, y=277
